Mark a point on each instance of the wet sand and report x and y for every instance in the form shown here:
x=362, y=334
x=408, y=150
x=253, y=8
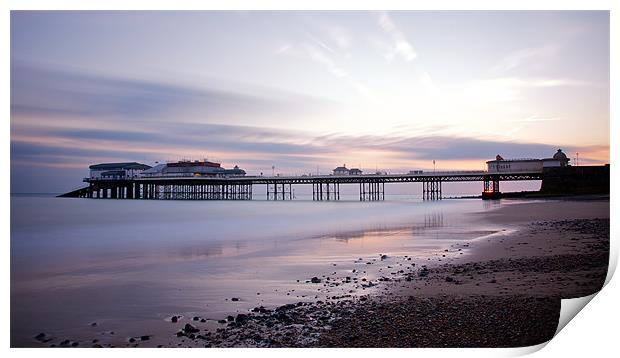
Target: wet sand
x=554, y=248
x=499, y=290
x=504, y=291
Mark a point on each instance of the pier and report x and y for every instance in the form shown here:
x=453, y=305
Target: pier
x=324, y=187
x=207, y=180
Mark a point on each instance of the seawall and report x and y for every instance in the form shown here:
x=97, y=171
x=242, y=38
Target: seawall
x=576, y=180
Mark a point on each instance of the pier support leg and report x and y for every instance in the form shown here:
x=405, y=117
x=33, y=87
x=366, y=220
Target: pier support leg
x=491, y=188
x=431, y=190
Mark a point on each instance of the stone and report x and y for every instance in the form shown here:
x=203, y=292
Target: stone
x=241, y=318
x=285, y=307
x=174, y=319
x=235, y=299
x=190, y=329
x=145, y=338
x=315, y=280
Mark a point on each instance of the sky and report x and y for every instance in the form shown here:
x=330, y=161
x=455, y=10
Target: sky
x=304, y=91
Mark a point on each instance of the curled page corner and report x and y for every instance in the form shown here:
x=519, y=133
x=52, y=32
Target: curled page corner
x=570, y=308
x=613, y=261
x=523, y=351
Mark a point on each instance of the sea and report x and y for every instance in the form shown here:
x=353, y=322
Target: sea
x=95, y=270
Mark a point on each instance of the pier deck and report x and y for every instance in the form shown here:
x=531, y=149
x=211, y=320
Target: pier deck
x=325, y=187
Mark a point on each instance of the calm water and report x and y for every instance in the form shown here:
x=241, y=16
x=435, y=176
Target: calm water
x=130, y=265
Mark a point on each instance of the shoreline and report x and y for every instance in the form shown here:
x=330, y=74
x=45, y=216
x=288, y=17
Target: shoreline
x=451, y=303
x=509, y=284
x=537, y=195
x=523, y=277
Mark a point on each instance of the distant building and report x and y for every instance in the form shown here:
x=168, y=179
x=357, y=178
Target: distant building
x=414, y=172
x=559, y=160
x=186, y=168
x=355, y=171
x=341, y=170
x=501, y=165
x=110, y=171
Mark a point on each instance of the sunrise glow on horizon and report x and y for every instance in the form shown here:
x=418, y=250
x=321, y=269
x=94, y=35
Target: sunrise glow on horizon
x=305, y=90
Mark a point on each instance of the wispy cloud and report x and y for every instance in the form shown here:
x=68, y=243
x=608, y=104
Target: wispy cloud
x=398, y=45
x=49, y=91
x=328, y=58
x=536, y=118
x=236, y=144
x=283, y=49
x=253, y=148
x=322, y=44
x=507, y=89
x=427, y=82
x=321, y=57
x=531, y=56
x=338, y=35
x=533, y=82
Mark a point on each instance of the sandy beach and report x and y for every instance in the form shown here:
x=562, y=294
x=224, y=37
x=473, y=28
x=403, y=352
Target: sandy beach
x=514, y=283
x=503, y=292
x=501, y=289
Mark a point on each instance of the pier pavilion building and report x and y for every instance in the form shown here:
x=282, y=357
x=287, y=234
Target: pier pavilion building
x=122, y=171
x=196, y=168
x=501, y=165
